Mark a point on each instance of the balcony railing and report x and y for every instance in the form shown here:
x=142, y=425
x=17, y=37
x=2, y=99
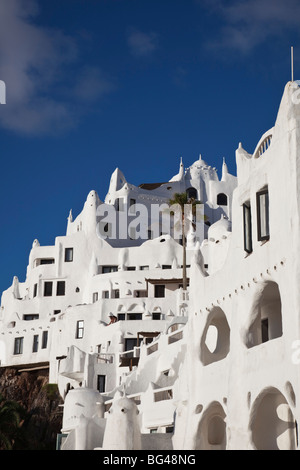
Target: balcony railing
x=105, y=358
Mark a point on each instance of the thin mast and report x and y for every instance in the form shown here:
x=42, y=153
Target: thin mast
x=292, y=62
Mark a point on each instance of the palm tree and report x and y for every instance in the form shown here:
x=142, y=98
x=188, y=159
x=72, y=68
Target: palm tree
x=180, y=201
x=11, y=419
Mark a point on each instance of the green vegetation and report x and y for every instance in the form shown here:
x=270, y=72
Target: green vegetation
x=12, y=416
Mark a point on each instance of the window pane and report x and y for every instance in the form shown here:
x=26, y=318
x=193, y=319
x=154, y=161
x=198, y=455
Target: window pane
x=48, y=289
x=263, y=215
x=35, y=343
x=159, y=291
x=35, y=290
x=68, y=255
x=247, y=228
x=79, y=329
x=44, y=339
x=109, y=269
x=60, y=288
x=101, y=383
x=18, y=346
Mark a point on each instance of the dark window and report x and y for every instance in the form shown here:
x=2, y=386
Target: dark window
x=170, y=429
x=156, y=316
x=121, y=316
x=262, y=200
x=56, y=312
x=159, y=291
x=105, y=294
x=44, y=339
x=68, y=255
x=47, y=261
x=35, y=290
x=135, y=316
x=247, y=227
x=101, y=383
x=264, y=330
x=18, y=346
x=191, y=193
x=79, y=329
x=130, y=343
x=31, y=316
x=47, y=289
x=131, y=204
x=144, y=268
x=60, y=288
x=35, y=344
x=116, y=293
x=95, y=297
x=130, y=268
x=109, y=269
x=166, y=266
x=222, y=199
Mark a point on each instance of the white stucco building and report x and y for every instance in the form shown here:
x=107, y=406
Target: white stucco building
x=215, y=366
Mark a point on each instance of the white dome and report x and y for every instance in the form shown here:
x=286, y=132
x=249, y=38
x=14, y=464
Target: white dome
x=81, y=401
x=219, y=229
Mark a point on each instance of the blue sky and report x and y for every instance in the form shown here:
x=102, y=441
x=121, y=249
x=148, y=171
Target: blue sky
x=97, y=84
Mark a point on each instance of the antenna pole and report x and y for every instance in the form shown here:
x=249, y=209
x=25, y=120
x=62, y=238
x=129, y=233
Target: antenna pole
x=292, y=62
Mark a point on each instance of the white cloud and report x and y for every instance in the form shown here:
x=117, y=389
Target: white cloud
x=34, y=65
x=92, y=84
x=142, y=44
x=249, y=23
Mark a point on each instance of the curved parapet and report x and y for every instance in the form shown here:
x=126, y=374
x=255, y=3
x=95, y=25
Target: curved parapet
x=264, y=143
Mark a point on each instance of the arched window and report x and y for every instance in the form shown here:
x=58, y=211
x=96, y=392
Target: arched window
x=273, y=425
x=265, y=321
x=211, y=433
x=192, y=193
x=222, y=199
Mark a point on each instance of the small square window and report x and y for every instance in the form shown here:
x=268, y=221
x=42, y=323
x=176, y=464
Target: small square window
x=156, y=316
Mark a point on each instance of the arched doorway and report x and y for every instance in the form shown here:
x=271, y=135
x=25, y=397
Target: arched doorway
x=265, y=316
x=272, y=424
x=211, y=434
